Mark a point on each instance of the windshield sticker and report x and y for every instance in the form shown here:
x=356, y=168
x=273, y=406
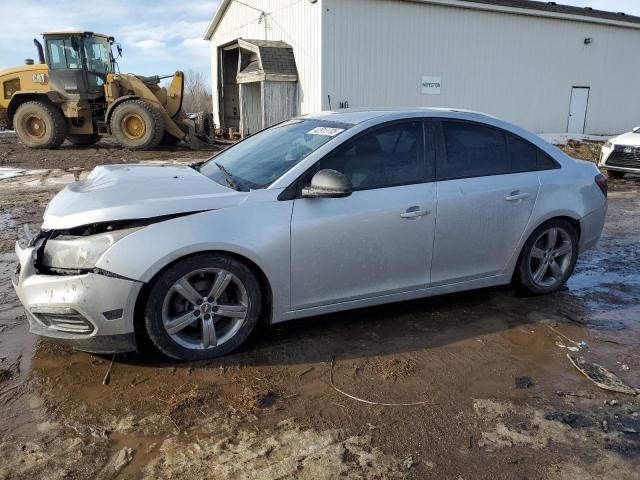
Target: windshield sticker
x=330, y=132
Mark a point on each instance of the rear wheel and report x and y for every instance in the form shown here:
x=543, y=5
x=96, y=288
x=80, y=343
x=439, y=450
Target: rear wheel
x=40, y=125
x=83, y=140
x=137, y=125
x=549, y=257
x=203, y=307
x=615, y=174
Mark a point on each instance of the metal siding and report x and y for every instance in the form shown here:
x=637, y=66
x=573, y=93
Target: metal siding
x=520, y=68
x=296, y=22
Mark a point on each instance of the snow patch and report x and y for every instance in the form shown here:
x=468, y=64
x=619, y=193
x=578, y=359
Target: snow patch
x=563, y=138
x=7, y=172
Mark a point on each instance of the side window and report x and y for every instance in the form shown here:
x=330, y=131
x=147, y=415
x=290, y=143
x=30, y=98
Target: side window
x=62, y=54
x=523, y=155
x=545, y=162
x=383, y=157
x=472, y=150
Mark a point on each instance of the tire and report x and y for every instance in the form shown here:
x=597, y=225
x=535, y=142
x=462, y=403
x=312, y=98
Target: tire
x=137, y=125
x=538, y=252
x=83, y=140
x=204, y=127
x=615, y=174
x=40, y=124
x=169, y=140
x=176, y=322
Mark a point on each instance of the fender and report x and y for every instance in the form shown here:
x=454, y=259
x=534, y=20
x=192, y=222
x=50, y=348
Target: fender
x=107, y=117
x=20, y=97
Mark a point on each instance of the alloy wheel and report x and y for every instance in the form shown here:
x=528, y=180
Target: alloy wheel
x=205, y=308
x=550, y=257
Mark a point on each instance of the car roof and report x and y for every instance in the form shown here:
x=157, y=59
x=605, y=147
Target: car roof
x=357, y=115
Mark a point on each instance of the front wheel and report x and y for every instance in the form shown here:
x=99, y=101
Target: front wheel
x=137, y=125
x=548, y=257
x=203, y=307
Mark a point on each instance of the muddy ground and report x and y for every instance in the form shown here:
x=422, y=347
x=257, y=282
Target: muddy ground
x=498, y=397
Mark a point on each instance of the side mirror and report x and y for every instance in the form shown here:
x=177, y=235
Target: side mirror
x=636, y=130
x=328, y=184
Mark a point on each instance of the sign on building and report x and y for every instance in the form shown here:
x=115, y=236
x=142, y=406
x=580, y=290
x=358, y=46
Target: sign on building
x=431, y=85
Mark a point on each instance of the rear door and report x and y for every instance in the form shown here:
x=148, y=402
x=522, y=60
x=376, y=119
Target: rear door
x=486, y=189
x=379, y=239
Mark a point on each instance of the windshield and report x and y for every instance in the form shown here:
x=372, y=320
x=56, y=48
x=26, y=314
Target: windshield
x=259, y=160
x=97, y=52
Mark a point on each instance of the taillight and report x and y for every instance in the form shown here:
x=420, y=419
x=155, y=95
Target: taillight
x=601, y=181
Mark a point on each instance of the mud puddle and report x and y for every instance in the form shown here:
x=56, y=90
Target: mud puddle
x=269, y=410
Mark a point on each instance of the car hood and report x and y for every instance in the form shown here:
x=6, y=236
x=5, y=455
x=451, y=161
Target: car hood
x=133, y=192
x=631, y=139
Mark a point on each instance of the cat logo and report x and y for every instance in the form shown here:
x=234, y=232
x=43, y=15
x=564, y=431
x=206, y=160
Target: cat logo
x=41, y=78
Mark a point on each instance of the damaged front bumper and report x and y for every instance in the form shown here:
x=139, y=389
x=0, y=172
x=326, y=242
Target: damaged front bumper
x=90, y=311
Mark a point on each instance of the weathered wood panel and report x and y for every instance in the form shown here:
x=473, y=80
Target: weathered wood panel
x=250, y=108
x=279, y=101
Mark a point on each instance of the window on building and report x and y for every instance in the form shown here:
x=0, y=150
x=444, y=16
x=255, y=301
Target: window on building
x=472, y=150
x=384, y=157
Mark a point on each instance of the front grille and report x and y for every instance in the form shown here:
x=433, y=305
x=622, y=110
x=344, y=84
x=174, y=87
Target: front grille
x=625, y=157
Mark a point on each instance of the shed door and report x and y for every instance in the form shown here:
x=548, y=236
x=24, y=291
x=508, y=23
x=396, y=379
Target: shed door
x=578, y=109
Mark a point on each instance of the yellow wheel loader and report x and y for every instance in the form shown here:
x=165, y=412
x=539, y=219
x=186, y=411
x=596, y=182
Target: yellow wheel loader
x=76, y=93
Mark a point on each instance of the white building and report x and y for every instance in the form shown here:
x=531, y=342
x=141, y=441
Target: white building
x=546, y=67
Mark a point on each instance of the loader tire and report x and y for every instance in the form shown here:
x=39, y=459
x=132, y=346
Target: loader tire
x=40, y=125
x=169, y=140
x=137, y=125
x=205, y=127
x=83, y=140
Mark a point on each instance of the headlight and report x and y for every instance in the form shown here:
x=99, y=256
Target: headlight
x=80, y=253
x=608, y=144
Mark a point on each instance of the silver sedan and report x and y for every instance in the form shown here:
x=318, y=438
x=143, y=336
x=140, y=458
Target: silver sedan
x=314, y=215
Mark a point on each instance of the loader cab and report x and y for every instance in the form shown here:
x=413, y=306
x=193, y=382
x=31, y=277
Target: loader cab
x=79, y=63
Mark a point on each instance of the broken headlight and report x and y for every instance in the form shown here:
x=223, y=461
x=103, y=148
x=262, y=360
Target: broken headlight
x=80, y=252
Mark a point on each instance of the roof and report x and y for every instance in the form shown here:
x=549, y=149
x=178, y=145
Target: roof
x=525, y=7
x=77, y=32
x=359, y=115
x=555, y=7
x=274, y=61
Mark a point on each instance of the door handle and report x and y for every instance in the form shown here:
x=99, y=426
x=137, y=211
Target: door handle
x=414, y=212
x=516, y=196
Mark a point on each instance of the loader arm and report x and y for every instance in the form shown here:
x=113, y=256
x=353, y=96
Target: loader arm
x=137, y=87
x=175, y=95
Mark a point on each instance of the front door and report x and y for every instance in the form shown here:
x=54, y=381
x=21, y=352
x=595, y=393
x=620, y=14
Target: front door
x=378, y=240
x=487, y=187
x=578, y=109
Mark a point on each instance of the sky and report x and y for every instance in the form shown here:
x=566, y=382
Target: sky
x=157, y=36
